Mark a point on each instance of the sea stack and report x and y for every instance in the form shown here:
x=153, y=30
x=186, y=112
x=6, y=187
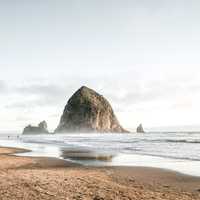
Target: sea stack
x=87, y=111
x=140, y=129
x=40, y=129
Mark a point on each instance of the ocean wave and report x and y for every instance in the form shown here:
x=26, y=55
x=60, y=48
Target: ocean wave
x=172, y=140
x=184, y=141
x=181, y=141
x=168, y=156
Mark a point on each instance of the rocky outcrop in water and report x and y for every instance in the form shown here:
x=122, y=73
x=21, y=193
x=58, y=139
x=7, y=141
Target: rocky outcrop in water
x=140, y=129
x=40, y=129
x=87, y=111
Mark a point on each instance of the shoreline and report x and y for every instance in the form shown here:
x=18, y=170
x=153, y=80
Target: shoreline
x=88, y=158
x=48, y=162
x=49, y=178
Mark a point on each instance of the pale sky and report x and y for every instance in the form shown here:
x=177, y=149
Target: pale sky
x=142, y=55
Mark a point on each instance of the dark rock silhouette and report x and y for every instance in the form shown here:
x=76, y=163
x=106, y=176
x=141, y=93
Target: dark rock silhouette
x=41, y=128
x=140, y=129
x=43, y=125
x=87, y=111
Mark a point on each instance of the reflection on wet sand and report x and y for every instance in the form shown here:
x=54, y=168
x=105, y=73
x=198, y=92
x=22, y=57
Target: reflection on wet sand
x=86, y=155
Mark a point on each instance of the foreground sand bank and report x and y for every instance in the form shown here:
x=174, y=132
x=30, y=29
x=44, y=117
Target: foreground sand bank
x=46, y=178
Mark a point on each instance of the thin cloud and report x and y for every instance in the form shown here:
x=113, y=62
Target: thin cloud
x=3, y=86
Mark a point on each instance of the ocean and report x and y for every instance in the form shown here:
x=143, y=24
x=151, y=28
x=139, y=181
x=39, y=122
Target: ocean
x=179, y=151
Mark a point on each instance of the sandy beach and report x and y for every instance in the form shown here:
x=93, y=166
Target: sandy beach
x=48, y=178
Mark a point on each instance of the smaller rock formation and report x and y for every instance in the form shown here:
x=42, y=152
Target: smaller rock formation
x=43, y=125
x=40, y=129
x=140, y=129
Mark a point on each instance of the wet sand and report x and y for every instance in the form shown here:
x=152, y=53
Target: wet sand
x=48, y=178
